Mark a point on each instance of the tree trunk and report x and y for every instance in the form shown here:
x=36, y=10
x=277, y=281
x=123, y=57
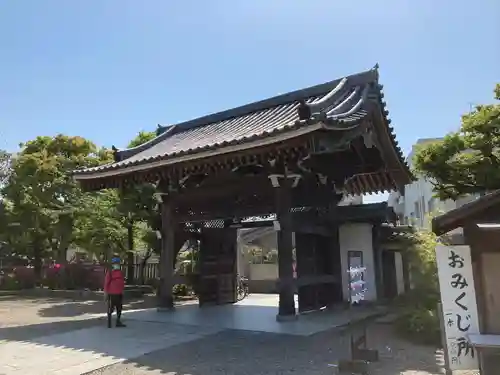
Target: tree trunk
x=66, y=225
x=143, y=266
x=130, y=253
x=37, y=262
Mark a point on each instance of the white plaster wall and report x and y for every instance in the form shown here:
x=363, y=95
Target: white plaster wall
x=400, y=281
x=358, y=237
x=263, y=272
x=241, y=261
x=269, y=240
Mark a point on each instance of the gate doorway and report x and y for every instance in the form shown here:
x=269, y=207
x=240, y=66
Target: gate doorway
x=318, y=271
x=218, y=266
x=390, y=282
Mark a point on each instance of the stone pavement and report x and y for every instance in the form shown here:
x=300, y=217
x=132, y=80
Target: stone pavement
x=92, y=347
x=51, y=336
x=88, y=349
x=255, y=313
x=237, y=352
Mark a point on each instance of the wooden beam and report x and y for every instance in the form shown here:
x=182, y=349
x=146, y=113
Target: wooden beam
x=229, y=207
x=252, y=224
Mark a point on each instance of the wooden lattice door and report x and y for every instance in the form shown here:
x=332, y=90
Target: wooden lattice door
x=218, y=267
x=314, y=264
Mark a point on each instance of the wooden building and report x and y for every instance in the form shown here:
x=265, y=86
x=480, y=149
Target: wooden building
x=293, y=155
x=480, y=221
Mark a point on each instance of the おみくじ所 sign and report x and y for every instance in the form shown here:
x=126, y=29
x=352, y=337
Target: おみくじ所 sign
x=458, y=297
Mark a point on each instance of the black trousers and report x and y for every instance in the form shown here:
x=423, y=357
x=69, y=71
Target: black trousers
x=115, y=301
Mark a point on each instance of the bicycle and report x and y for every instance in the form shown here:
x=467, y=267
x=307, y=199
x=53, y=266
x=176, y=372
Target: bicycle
x=242, y=288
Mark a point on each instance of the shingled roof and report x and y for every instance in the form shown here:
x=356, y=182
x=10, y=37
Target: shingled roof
x=340, y=104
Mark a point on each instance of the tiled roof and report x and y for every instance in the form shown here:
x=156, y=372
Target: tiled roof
x=342, y=103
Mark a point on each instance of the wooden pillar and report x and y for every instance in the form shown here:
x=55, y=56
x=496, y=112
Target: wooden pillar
x=165, y=297
x=377, y=257
x=484, y=271
x=336, y=287
x=286, y=286
x=130, y=253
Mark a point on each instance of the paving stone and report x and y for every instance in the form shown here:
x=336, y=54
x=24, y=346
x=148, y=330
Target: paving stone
x=88, y=349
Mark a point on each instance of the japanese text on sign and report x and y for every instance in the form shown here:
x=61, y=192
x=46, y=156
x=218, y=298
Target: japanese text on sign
x=356, y=271
x=458, y=298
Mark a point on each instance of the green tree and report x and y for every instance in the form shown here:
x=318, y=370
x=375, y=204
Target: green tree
x=466, y=161
x=99, y=227
x=138, y=208
x=141, y=138
x=41, y=196
x=4, y=211
x=5, y=158
x=419, y=319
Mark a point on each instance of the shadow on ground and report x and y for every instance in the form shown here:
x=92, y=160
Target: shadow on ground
x=16, y=297
x=398, y=356
x=31, y=332
x=176, y=347
x=245, y=353
x=197, y=351
x=78, y=308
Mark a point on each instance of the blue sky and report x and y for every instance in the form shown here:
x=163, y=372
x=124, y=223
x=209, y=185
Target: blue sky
x=107, y=69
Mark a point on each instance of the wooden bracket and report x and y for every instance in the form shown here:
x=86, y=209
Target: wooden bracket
x=275, y=179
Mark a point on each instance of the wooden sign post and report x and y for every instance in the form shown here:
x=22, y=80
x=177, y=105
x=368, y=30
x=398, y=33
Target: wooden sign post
x=459, y=307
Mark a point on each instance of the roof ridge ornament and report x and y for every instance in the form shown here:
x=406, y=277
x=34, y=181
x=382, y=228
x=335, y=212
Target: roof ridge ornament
x=314, y=109
x=375, y=69
x=116, y=154
x=319, y=104
x=306, y=110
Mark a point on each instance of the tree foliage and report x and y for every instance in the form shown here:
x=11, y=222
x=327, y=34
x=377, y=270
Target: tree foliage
x=44, y=212
x=41, y=198
x=141, y=138
x=422, y=259
x=419, y=319
x=5, y=158
x=466, y=161
x=138, y=204
x=100, y=226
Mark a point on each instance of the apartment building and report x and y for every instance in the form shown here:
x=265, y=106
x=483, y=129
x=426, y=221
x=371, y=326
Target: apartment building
x=417, y=202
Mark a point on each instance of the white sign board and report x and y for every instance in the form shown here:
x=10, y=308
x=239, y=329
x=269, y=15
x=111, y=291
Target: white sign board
x=356, y=273
x=458, y=297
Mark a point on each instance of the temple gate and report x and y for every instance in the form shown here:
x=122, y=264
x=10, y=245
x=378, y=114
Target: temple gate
x=293, y=156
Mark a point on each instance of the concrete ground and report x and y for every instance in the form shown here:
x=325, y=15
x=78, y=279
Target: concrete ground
x=36, y=333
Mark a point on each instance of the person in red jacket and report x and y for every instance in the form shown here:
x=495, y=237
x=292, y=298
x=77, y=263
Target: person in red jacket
x=114, y=284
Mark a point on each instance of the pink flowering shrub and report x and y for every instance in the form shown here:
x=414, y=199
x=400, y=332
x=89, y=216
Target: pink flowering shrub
x=75, y=276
